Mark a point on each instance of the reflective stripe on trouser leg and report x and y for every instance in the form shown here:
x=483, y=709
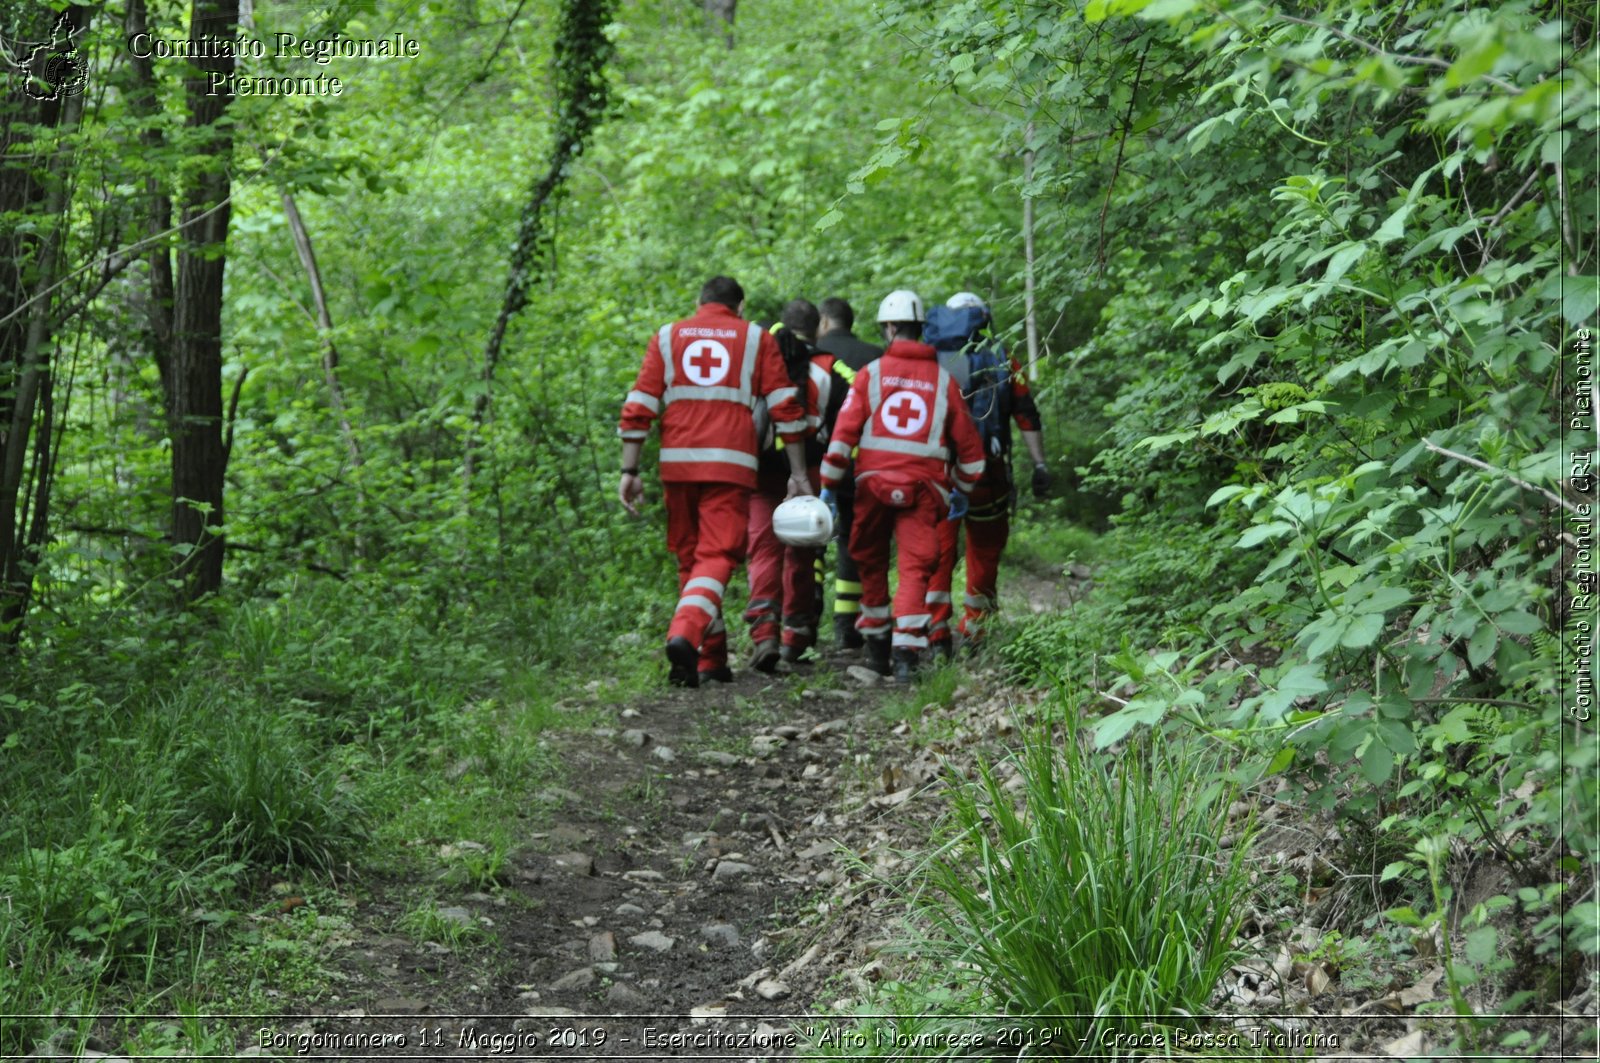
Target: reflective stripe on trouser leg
x=874, y=620
x=910, y=632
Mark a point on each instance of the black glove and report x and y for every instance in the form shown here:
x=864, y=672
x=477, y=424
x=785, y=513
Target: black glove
x=1041, y=481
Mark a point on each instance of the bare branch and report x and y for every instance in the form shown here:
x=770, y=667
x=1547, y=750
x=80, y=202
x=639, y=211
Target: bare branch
x=1486, y=467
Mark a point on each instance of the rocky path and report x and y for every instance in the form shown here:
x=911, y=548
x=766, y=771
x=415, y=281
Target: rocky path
x=715, y=863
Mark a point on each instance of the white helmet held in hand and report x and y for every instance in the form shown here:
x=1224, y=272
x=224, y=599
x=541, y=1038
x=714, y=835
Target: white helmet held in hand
x=901, y=305
x=803, y=521
x=964, y=299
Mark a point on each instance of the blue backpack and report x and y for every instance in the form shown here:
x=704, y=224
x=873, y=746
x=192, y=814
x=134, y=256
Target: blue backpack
x=982, y=371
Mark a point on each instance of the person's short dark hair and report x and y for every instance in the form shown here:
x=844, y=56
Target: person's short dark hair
x=908, y=330
x=801, y=315
x=838, y=310
x=724, y=290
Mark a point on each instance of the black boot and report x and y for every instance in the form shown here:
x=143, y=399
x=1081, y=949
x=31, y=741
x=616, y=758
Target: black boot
x=878, y=655
x=685, y=663
x=941, y=651
x=905, y=665
x=844, y=631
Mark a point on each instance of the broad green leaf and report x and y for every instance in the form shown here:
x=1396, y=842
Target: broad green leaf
x=1377, y=763
x=1260, y=533
x=1480, y=647
x=1342, y=259
x=1222, y=494
x=1393, y=227
x=1362, y=632
x=1112, y=728
x=1480, y=944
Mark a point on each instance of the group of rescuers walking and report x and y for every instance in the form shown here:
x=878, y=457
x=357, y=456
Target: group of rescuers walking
x=751, y=417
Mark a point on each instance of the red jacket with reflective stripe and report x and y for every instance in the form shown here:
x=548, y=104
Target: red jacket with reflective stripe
x=702, y=377
x=906, y=414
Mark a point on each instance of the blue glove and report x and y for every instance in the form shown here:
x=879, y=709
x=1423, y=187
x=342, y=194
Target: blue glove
x=958, y=506
x=831, y=502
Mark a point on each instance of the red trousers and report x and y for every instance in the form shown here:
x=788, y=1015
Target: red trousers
x=706, y=525
x=783, y=579
x=914, y=529
x=988, y=523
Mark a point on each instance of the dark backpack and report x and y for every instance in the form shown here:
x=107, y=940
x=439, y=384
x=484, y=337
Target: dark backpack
x=982, y=371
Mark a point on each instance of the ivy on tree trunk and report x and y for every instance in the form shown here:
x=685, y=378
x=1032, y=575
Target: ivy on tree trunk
x=581, y=52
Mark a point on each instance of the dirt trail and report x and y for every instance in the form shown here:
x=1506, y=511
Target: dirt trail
x=716, y=861
x=691, y=877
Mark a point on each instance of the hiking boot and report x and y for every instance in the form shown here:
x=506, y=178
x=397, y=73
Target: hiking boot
x=905, y=665
x=878, y=655
x=794, y=654
x=722, y=674
x=941, y=651
x=685, y=662
x=845, y=633
x=764, y=658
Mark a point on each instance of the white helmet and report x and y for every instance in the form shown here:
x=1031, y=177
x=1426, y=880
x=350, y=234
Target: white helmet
x=803, y=521
x=965, y=299
x=902, y=305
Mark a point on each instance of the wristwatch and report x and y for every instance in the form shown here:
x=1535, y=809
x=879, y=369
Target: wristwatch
x=631, y=472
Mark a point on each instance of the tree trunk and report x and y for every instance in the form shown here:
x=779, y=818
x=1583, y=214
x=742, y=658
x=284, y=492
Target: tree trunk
x=1027, y=256
x=723, y=9
x=194, y=395
x=29, y=269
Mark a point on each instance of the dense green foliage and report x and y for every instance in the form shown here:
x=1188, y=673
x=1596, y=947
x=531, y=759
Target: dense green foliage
x=1308, y=287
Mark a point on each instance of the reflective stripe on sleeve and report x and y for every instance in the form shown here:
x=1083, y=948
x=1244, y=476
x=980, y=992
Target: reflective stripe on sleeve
x=970, y=469
x=839, y=449
x=777, y=395
x=633, y=433
x=722, y=454
x=649, y=402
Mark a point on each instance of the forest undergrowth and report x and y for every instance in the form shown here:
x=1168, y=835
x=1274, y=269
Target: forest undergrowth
x=307, y=438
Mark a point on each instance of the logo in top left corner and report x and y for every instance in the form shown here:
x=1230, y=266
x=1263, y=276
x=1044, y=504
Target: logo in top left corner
x=55, y=71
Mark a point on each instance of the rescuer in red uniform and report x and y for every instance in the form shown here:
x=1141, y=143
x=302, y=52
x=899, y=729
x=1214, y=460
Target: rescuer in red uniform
x=702, y=376
x=785, y=592
x=998, y=400
x=906, y=415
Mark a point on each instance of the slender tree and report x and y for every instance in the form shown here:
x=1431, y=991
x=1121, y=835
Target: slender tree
x=41, y=108
x=581, y=52
x=194, y=384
